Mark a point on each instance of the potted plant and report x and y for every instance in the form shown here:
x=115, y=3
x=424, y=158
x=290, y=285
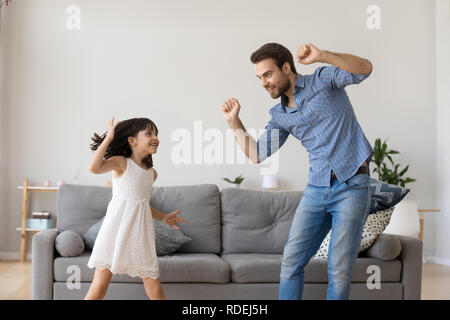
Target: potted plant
x=236, y=183
x=391, y=176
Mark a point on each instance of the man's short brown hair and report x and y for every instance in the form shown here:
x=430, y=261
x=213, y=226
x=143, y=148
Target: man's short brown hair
x=275, y=51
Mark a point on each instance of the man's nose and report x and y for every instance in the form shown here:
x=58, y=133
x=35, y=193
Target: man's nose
x=263, y=82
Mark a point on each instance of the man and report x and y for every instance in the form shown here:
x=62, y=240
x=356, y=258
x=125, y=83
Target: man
x=316, y=110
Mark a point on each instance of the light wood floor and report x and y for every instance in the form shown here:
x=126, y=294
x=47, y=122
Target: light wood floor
x=15, y=281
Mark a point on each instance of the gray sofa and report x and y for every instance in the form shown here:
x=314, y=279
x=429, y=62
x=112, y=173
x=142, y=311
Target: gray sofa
x=235, y=253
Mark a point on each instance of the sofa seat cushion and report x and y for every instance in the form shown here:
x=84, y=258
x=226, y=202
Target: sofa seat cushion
x=178, y=267
x=265, y=268
x=253, y=267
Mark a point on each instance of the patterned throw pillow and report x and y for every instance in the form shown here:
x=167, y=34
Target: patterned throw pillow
x=385, y=195
x=374, y=226
x=167, y=239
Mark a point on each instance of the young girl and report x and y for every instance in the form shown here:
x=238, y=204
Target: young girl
x=126, y=240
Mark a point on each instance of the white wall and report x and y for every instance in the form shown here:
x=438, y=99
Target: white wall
x=442, y=131
x=176, y=62
x=4, y=185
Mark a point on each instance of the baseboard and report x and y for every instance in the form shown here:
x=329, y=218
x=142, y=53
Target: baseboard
x=13, y=256
x=438, y=260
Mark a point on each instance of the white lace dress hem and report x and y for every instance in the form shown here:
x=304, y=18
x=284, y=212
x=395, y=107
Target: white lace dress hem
x=133, y=271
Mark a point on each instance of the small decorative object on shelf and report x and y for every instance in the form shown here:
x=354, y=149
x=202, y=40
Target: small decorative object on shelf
x=59, y=183
x=30, y=225
x=41, y=215
x=47, y=183
x=270, y=182
x=237, y=181
x=40, y=224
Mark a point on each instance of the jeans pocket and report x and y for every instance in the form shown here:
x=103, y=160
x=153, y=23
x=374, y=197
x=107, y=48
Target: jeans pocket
x=359, y=180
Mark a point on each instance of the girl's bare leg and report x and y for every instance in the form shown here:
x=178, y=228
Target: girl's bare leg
x=99, y=285
x=153, y=288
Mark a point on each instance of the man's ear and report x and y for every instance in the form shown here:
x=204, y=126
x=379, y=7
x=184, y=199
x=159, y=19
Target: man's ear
x=286, y=67
x=130, y=140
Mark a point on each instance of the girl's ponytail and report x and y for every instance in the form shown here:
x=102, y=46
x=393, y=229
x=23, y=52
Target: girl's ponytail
x=97, y=141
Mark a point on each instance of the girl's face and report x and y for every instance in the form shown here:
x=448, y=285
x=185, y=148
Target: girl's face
x=146, y=141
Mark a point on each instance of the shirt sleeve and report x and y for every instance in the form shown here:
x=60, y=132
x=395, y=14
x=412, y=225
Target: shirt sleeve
x=337, y=78
x=273, y=137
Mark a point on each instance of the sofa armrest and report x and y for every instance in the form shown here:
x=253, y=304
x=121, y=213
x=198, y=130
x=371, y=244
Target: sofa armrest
x=411, y=257
x=43, y=247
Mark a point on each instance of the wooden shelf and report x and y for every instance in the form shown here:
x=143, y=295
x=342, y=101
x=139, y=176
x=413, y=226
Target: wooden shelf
x=23, y=229
x=421, y=212
x=41, y=188
x=35, y=230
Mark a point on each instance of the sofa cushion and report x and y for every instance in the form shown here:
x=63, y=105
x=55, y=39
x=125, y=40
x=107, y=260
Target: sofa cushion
x=178, y=267
x=168, y=239
x=200, y=205
x=384, y=195
x=253, y=267
x=90, y=236
x=81, y=206
x=386, y=247
x=374, y=226
x=69, y=244
x=257, y=221
x=265, y=268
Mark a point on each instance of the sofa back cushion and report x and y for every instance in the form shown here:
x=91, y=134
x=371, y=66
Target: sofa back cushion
x=81, y=206
x=200, y=206
x=257, y=221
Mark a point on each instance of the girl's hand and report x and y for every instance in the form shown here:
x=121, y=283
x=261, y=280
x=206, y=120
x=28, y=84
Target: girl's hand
x=172, y=219
x=111, y=127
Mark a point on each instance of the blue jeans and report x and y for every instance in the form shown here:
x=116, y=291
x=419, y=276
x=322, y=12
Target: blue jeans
x=343, y=208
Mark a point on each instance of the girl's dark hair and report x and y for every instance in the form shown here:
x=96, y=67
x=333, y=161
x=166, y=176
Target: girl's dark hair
x=275, y=51
x=120, y=146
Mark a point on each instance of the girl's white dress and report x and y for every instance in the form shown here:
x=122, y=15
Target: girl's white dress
x=126, y=240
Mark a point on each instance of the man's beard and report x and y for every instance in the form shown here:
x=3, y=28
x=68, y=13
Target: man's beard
x=283, y=88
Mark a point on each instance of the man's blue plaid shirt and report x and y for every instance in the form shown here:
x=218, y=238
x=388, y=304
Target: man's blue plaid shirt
x=324, y=122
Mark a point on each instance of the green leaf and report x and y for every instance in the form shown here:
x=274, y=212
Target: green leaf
x=408, y=180
x=403, y=171
x=383, y=148
x=390, y=159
